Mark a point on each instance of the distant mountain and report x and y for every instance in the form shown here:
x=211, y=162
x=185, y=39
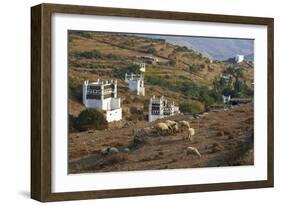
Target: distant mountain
x=214, y=48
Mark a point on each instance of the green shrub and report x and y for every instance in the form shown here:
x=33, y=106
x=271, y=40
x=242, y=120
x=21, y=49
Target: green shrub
x=85, y=34
x=75, y=88
x=195, y=68
x=191, y=107
x=87, y=54
x=120, y=72
x=207, y=99
x=172, y=62
x=146, y=105
x=182, y=49
x=151, y=50
x=90, y=119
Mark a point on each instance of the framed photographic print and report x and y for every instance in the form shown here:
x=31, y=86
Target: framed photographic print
x=130, y=102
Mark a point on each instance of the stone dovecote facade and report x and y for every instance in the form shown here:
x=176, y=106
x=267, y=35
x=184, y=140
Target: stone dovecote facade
x=160, y=108
x=136, y=83
x=102, y=95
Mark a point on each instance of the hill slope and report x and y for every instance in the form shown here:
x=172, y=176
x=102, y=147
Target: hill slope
x=224, y=138
x=180, y=74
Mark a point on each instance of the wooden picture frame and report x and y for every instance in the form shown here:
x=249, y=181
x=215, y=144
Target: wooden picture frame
x=41, y=171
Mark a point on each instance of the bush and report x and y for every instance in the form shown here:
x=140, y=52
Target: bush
x=172, y=62
x=195, y=68
x=207, y=99
x=90, y=119
x=82, y=34
x=87, y=54
x=120, y=72
x=146, y=105
x=191, y=107
x=151, y=50
x=73, y=84
x=182, y=49
x=75, y=88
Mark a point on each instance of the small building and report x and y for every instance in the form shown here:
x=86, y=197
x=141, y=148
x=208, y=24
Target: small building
x=226, y=99
x=102, y=95
x=160, y=108
x=239, y=58
x=142, y=67
x=148, y=58
x=136, y=83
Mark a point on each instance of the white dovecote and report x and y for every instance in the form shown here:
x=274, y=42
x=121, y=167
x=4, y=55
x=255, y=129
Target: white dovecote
x=136, y=83
x=102, y=95
x=160, y=108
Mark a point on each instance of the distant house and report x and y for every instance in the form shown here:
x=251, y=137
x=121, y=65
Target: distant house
x=136, y=83
x=160, y=108
x=102, y=95
x=149, y=58
x=226, y=99
x=142, y=67
x=239, y=58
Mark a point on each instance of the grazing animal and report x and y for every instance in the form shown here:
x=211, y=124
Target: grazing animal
x=162, y=128
x=189, y=135
x=173, y=126
x=194, y=151
x=170, y=122
x=183, y=125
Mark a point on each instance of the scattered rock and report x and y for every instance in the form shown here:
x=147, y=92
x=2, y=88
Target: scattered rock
x=125, y=125
x=126, y=149
x=104, y=151
x=109, y=150
x=113, y=150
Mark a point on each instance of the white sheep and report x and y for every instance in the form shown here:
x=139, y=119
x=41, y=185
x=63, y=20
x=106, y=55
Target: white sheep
x=173, y=126
x=162, y=128
x=170, y=122
x=190, y=133
x=193, y=150
x=183, y=125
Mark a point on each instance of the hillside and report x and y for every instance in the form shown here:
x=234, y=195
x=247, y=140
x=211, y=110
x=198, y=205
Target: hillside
x=224, y=138
x=180, y=74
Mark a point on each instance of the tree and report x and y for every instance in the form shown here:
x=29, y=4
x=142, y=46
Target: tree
x=90, y=118
x=238, y=85
x=239, y=73
x=207, y=99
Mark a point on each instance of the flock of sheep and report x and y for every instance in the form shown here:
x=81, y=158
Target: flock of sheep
x=160, y=129
x=167, y=128
x=170, y=127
